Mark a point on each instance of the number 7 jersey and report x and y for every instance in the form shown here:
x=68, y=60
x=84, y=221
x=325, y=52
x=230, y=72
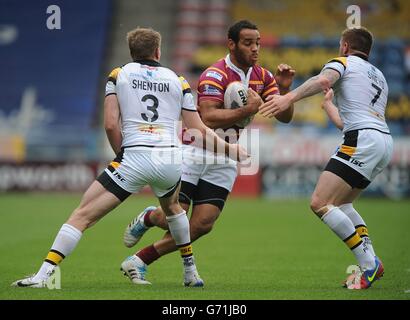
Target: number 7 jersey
x=360, y=93
x=151, y=99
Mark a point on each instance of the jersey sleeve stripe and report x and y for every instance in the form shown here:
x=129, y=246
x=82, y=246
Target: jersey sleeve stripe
x=210, y=98
x=108, y=94
x=273, y=83
x=189, y=110
x=113, y=80
x=333, y=69
x=113, y=75
x=185, y=85
x=340, y=61
x=255, y=82
x=269, y=91
x=187, y=90
x=213, y=83
x=219, y=70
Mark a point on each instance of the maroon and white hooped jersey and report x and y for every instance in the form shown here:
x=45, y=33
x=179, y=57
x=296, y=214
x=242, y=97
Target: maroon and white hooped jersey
x=215, y=79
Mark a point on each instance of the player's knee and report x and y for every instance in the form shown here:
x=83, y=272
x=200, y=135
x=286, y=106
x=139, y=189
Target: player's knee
x=320, y=209
x=172, y=209
x=319, y=206
x=316, y=203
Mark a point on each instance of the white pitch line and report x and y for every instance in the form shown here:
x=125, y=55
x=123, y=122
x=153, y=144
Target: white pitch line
x=407, y=291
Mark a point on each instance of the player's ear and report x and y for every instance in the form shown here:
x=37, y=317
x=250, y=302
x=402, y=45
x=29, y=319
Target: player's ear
x=231, y=45
x=158, y=53
x=345, y=48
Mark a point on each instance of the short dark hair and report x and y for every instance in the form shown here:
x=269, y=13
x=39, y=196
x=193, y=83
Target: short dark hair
x=235, y=30
x=359, y=39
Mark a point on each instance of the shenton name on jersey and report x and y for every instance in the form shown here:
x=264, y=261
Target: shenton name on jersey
x=150, y=86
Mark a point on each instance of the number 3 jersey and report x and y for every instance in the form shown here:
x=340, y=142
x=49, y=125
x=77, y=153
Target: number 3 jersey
x=151, y=98
x=360, y=93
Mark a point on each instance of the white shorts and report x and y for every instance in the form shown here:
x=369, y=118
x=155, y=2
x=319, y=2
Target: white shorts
x=195, y=168
x=366, y=151
x=134, y=168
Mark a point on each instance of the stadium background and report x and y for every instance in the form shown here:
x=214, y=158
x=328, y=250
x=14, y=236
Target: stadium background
x=52, y=88
x=51, y=136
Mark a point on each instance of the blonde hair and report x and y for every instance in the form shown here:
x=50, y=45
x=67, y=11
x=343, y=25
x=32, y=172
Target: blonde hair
x=143, y=42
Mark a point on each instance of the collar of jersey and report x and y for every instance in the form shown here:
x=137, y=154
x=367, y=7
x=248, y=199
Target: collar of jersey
x=245, y=78
x=151, y=63
x=360, y=55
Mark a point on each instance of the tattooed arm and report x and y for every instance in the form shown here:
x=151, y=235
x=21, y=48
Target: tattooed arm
x=325, y=80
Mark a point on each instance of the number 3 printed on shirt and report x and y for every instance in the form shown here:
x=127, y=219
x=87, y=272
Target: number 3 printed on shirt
x=152, y=108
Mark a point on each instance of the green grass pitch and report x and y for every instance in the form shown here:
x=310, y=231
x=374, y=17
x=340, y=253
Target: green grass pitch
x=259, y=249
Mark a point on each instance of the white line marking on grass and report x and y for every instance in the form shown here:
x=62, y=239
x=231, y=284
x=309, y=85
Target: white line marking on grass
x=407, y=291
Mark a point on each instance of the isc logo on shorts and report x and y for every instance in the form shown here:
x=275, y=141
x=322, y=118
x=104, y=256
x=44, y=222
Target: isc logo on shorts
x=118, y=176
x=356, y=162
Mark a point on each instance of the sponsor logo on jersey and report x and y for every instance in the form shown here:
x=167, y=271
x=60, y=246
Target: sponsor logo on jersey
x=143, y=66
x=214, y=74
x=210, y=90
x=150, y=129
x=259, y=88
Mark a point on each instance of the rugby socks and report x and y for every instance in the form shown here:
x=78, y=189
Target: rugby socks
x=179, y=228
x=345, y=230
x=147, y=220
x=359, y=224
x=64, y=243
x=148, y=255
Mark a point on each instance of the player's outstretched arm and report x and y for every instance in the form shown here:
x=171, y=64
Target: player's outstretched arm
x=325, y=80
x=331, y=109
x=284, y=78
x=211, y=140
x=215, y=116
x=112, y=126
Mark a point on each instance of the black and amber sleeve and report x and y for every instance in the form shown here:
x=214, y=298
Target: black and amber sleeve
x=110, y=87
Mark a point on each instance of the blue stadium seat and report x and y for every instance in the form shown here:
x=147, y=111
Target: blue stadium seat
x=61, y=67
x=292, y=41
x=396, y=88
x=317, y=40
x=393, y=56
x=331, y=42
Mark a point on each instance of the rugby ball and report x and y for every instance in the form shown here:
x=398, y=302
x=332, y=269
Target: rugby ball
x=236, y=96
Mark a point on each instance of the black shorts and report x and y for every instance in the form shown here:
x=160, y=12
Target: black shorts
x=203, y=193
x=349, y=175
